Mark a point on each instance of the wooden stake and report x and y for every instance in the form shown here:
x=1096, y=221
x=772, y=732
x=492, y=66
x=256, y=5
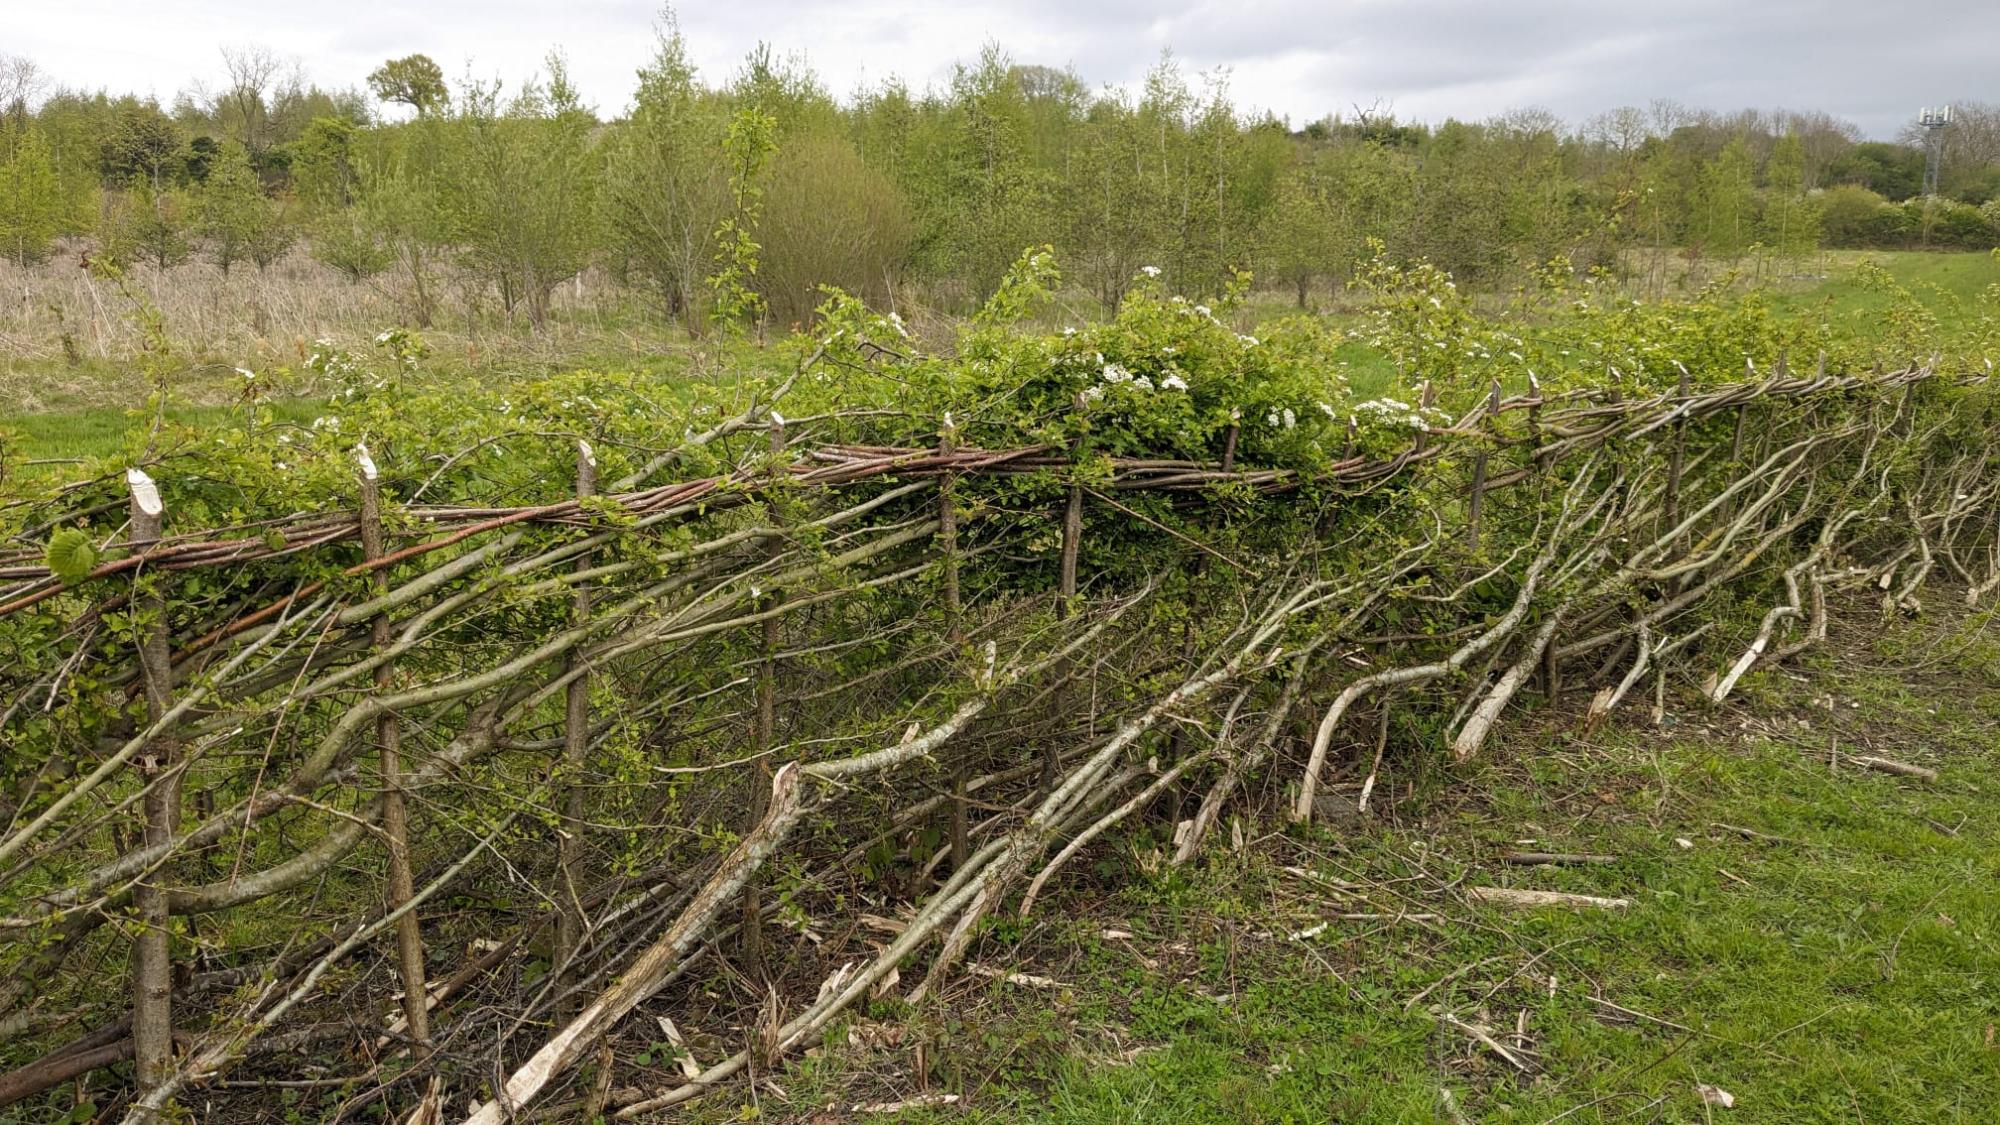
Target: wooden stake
x=1534, y=419
x=152, y=953
x=1477, y=501
x=750, y=942
x=1072, y=542
x=570, y=924
x=1676, y=458
x=389, y=739
x=954, y=631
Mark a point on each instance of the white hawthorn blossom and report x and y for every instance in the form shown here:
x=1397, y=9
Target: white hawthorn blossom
x=1174, y=383
x=1389, y=411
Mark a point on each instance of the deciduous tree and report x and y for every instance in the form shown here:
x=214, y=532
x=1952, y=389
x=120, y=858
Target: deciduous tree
x=414, y=81
x=31, y=200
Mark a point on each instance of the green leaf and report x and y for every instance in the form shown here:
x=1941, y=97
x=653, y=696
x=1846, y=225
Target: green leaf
x=71, y=555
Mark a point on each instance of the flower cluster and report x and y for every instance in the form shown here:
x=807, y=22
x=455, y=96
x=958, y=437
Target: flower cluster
x=1391, y=413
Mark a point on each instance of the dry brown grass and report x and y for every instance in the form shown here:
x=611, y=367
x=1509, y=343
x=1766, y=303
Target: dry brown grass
x=69, y=339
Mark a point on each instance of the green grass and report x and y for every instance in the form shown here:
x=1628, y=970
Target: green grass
x=94, y=412
x=1844, y=971
x=93, y=432
x=1949, y=283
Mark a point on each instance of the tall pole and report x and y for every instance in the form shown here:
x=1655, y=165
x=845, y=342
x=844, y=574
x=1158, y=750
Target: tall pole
x=1933, y=122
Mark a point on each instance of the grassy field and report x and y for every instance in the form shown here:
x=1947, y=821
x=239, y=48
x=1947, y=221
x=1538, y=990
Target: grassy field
x=1948, y=283
x=1816, y=941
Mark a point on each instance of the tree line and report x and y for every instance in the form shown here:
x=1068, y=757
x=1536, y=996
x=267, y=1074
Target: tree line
x=738, y=199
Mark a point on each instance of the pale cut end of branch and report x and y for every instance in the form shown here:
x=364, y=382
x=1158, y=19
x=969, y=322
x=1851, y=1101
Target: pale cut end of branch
x=366, y=462
x=145, y=493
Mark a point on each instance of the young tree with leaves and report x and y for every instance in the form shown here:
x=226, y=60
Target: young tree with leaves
x=31, y=199
x=345, y=241
x=1724, y=214
x=828, y=219
x=664, y=193
x=233, y=217
x=747, y=148
x=403, y=207
x=1791, y=217
x=151, y=225
x=524, y=182
x=1301, y=240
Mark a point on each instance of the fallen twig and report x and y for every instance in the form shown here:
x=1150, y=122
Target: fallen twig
x=1890, y=765
x=1556, y=858
x=1509, y=896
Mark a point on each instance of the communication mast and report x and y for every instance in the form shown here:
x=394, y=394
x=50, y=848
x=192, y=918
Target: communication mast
x=1933, y=121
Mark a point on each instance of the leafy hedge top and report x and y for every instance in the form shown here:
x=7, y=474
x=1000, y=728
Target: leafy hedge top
x=1165, y=378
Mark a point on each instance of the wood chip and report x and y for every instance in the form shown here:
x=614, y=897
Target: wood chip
x=690, y=1069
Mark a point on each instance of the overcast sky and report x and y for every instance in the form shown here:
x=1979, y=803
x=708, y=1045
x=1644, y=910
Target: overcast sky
x=1873, y=62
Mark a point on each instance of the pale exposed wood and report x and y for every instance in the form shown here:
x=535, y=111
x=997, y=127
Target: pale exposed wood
x=1557, y=858
x=1890, y=765
x=1511, y=896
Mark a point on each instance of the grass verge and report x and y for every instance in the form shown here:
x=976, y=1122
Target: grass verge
x=1808, y=940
